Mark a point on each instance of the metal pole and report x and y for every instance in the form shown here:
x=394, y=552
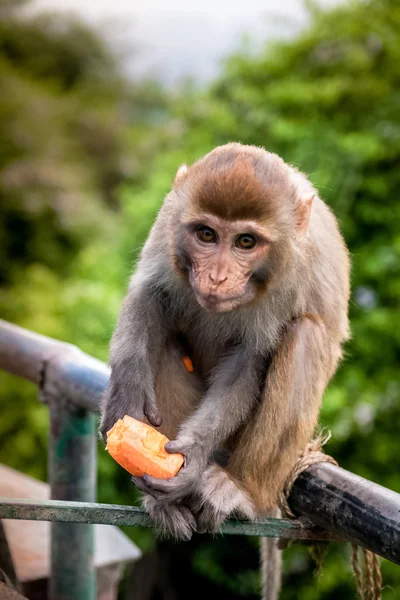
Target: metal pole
x=72, y=476
x=115, y=514
x=75, y=376
x=364, y=512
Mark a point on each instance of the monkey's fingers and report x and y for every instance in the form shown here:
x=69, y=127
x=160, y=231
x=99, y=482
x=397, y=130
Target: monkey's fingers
x=165, y=490
x=154, y=486
x=176, y=446
x=160, y=485
x=209, y=519
x=141, y=485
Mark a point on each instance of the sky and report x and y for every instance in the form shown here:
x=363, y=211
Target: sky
x=175, y=38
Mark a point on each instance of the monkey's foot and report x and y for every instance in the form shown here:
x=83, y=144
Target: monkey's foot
x=219, y=498
x=209, y=520
x=170, y=520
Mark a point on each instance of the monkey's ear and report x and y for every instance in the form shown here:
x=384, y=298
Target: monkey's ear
x=180, y=174
x=303, y=214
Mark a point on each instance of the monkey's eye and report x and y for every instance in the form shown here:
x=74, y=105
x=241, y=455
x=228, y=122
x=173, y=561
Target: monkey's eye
x=206, y=234
x=245, y=241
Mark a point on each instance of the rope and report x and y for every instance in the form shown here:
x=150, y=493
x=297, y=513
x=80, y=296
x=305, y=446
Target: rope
x=311, y=455
x=357, y=571
x=369, y=583
x=368, y=580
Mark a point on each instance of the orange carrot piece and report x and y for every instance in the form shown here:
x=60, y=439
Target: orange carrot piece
x=187, y=361
x=139, y=448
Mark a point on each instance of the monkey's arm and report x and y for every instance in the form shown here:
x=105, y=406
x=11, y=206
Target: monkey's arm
x=135, y=352
x=226, y=406
x=288, y=413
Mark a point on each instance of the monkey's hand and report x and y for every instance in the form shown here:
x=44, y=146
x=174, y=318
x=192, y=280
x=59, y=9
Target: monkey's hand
x=139, y=403
x=167, y=491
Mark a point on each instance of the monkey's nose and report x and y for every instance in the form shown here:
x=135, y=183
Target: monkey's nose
x=217, y=279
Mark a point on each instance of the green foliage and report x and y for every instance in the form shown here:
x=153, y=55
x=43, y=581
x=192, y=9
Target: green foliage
x=65, y=145
x=328, y=102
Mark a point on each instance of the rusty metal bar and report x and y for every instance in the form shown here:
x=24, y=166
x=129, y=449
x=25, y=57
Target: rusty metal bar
x=62, y=368
x=363, y=511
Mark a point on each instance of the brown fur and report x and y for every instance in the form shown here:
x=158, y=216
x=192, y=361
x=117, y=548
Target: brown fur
x=234, y=183
x=284, y=422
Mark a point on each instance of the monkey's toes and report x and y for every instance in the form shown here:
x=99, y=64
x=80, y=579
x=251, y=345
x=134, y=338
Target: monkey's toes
x=209, y=520
x=170, y=520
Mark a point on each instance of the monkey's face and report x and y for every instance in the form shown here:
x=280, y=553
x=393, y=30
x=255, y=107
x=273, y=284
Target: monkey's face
x=225, y=261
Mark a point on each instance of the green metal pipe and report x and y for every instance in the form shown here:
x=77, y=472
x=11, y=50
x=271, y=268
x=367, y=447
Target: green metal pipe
x=115, y=514
x=72, y=476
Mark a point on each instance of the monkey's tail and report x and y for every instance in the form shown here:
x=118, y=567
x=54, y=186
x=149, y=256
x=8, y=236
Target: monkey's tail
x=271, y=568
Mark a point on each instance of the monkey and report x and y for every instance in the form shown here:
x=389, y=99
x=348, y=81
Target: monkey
x=245, y=271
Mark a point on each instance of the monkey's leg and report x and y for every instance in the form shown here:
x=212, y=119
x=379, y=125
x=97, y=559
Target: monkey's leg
x=218, y=497
x=287, y=414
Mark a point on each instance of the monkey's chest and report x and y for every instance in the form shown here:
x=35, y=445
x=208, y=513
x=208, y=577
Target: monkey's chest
x=204, y=351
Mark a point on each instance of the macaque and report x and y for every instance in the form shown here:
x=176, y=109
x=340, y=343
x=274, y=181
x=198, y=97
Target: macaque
x=245, y=272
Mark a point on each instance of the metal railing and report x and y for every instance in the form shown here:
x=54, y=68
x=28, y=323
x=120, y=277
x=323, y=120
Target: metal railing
x=341, y=505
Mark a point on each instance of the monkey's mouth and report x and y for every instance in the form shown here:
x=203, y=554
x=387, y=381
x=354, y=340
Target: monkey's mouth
x=217, y=304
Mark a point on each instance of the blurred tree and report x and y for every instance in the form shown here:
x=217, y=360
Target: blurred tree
x=64, y=146
x=63, y=50
x=72, y=129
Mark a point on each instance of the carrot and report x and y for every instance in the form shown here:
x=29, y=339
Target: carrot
x=139, y=449
x=187, y=361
